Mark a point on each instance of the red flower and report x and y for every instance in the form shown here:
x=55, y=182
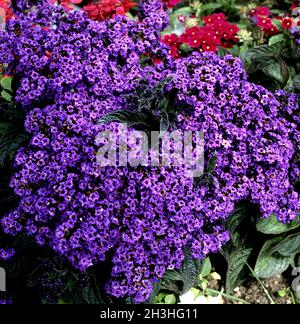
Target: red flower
x=174, y=43
x=5, y=11
x=260, y=12
x=171, y=3
x=216, y=32
x=266, y=25
x=263, y=11
x=287, y=23
x=264, y=22
x=214, y=19
x=272, y=31
x=105, y=9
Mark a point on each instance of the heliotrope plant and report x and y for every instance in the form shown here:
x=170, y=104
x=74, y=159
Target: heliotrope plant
x=69, y=73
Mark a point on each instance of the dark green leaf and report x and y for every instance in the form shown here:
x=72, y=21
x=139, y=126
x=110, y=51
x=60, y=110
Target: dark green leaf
x=210, y=7
x=90, y=296
x=189, y=274
x=289, y=246
x=124, y=116
x=296, y=81
x=271, y=264
x=212, y=163
x=183, y=280
x=272, y=226
x=234, y=225
x=173, y=276
x=273, y=69
x=262, y=52
x=236, y=264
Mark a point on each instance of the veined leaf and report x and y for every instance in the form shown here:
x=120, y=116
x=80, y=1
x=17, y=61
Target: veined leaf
x=271, y=264
x=289, y=246
x=272, y=226
x=236, y=264
x=275, y=39
x=126, y=117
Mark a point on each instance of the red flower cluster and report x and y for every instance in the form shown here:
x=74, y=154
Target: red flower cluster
x=261, y=17
x=215, y=32
x=171, y=3
x=174, y=43
x=5, y=11
x=260, y=12
x=105, y=9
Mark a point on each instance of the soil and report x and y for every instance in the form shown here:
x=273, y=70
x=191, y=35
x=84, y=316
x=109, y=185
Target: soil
x=252, y=292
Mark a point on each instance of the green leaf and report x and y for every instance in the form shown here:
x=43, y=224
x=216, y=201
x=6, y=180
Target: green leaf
x=89, y=295
x=189, y=274
x=3, y=127
x=61, y=301
x=212, y=163
x=124, y=116
x=6, y=95
x=211, y=7
x=183, y=280
x=160, y=297
x=170, y=299
x=282, y=293
x=236, y=264
x=234, y=225
x=271, y=264
x=272, y=226
x=154, y=295
x=182, y=11
x=206, y=270
x=296, y=81
x=273, y=69
x=262, y=52
x=173, y=275
x=10, y=142
x=276, y=39
x=289, y=246
x=6, y=83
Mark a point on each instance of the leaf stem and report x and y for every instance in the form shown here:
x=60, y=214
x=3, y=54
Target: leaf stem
x=262, y=285
x=230, y=297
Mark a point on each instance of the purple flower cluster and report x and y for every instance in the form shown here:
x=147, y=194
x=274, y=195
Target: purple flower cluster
x=72, y=71
x=71, y=75
x=6, y=301
x=57, y=53
x=6, y=254
x=249, y=130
